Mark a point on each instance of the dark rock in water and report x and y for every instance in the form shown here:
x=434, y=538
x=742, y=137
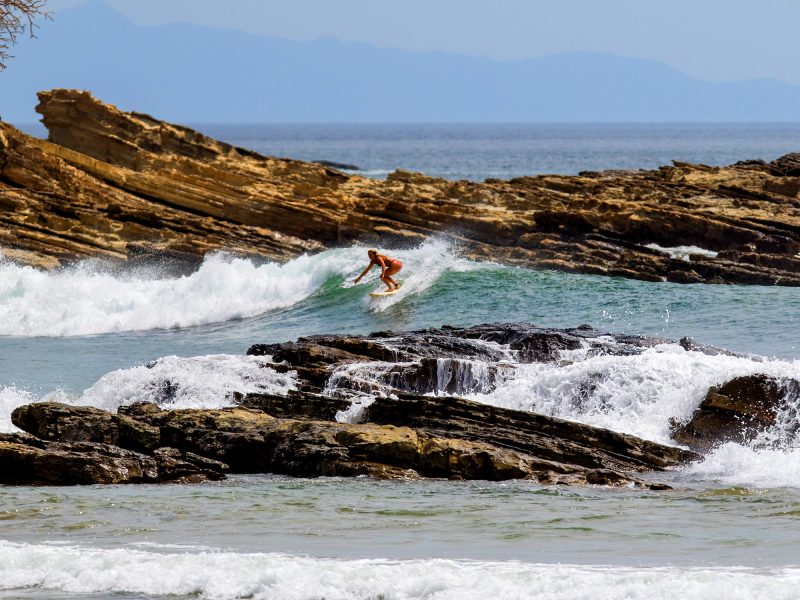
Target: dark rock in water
x=451, y=360
x=737, y=411
x=63, y=423
x=786, y=166
x=543, y=437
x=691, y=345
x=378, y=381
x=82, y=445
x=81, y=463
x=187, y=467
x=294, y=404
x=412, y=437
x=337, y=165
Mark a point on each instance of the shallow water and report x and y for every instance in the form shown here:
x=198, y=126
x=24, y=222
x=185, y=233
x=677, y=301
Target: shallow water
x=276, y=537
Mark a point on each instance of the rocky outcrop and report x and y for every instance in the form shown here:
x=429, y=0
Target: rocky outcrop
x=454, y=360
x=448, y=437
x=393, y=430
x=387, y=405
x=27, y=460
x=125, y=186
x=740, y=410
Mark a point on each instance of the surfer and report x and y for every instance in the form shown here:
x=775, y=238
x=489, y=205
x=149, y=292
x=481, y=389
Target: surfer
x=389, y=267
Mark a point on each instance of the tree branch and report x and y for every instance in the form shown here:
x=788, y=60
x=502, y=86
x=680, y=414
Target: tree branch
x=18, y=17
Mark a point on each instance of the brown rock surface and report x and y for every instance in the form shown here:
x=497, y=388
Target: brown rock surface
x=738, y=411
x=27, y=460
x=451, y=438
x=375, y=383
x=122, y=185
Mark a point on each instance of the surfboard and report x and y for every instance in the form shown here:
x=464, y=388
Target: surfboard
x=385, y=293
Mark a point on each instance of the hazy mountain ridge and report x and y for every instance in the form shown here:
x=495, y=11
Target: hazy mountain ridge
x=189, y=73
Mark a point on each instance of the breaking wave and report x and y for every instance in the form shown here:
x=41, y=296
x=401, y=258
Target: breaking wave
x=88, y=299
x=218, y=575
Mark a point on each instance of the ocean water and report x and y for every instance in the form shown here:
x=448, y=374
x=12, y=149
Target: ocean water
x=101, y=336
x=478, y=151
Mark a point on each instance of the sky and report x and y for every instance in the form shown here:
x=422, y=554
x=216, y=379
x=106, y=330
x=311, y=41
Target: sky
x=715, y=40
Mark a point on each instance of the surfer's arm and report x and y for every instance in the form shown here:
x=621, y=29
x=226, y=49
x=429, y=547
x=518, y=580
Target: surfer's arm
x=364, y=272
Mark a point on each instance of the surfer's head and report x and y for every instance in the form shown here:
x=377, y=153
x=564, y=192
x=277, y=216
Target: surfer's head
x=372, y=253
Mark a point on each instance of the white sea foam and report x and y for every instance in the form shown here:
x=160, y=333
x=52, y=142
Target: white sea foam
x=633, y=394
x=734, y=465
x=195, y=382
x=10, y=398
x=87, y=300
x=171, y=382
x=227, y=575
x=683, y=252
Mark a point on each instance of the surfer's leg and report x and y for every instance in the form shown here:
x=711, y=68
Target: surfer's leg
x=393, y=269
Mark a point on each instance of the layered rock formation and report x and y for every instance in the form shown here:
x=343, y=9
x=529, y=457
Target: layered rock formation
x=362, y=405
x=28, y=460
x=447, y=437
x=124, y=185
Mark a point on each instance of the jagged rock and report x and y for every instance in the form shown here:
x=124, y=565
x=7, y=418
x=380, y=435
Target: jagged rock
x=119, y=185
x=337, y=165
x=123, y=450
x=294, y=404
x=453, y=360
x=737, y=411
x=538, y=435
x=786, y=166
x=450, y=438
x=186, y=467
x=85, y=424
x=81, y=463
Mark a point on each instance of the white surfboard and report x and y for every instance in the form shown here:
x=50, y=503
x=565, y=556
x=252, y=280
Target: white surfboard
x=385, y=293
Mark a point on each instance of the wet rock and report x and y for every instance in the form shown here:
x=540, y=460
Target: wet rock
x=51, y=421
x=738, y=411
x=337, y=165
x=125, y=186
x=541, y=436
x=450, y=360
x=80, y=463
x=199, y=444
x=91, y=445
x=690, y=345
x=175, y=466
x=294, y=404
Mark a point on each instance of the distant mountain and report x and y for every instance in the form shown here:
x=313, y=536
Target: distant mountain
x=193, y=74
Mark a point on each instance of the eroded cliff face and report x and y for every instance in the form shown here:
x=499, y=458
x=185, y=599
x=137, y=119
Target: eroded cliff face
x=123, y=185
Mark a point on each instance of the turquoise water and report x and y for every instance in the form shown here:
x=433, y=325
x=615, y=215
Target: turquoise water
x=759, y=320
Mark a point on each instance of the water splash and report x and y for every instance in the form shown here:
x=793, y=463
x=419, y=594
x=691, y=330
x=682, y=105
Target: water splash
x=171, y=382
x=87, y=300
x=422, y=268
x=638, y=394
